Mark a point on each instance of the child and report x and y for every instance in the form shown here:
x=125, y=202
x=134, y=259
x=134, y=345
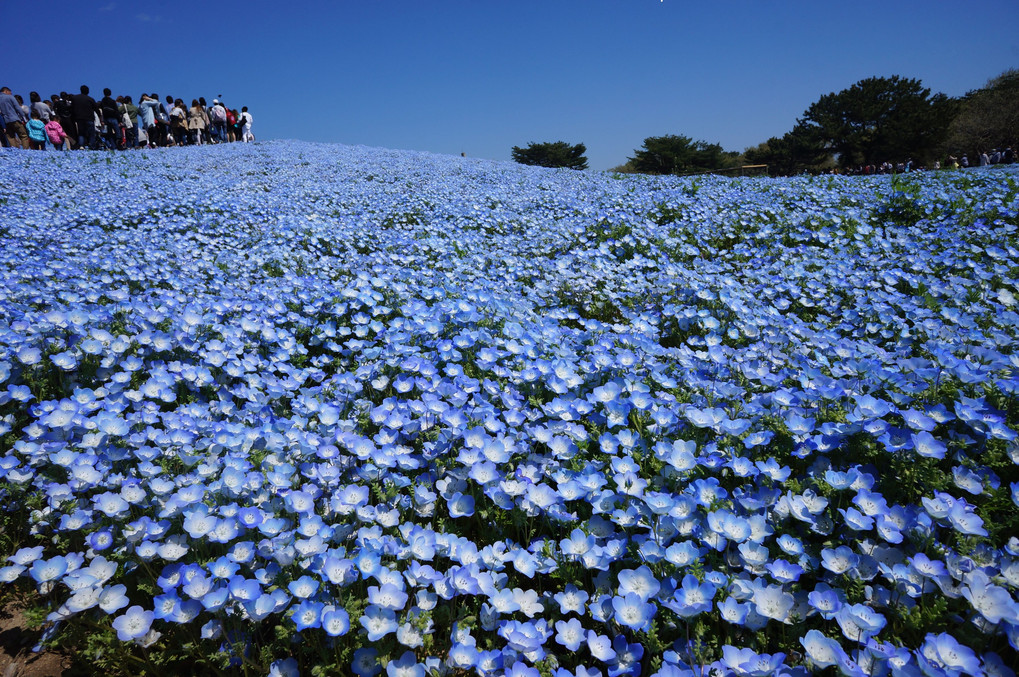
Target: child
x=36, y=132
x=55, y=132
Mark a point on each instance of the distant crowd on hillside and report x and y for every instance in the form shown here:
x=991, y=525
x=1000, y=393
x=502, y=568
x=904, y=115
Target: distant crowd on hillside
x=995, y=157
x=78, y=121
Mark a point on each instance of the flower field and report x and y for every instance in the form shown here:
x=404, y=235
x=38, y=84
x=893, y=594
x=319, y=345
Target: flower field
x=291, y=408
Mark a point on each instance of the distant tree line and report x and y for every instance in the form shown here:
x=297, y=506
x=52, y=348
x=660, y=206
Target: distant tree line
x=876, y=120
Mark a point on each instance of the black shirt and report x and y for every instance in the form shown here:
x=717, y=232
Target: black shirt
x=83, y=107
x=109, y=107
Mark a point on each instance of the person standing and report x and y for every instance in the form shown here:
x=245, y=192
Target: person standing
x=36, y=132
x=110, y=119
x=40, y=107
x=218, y=121
x=14, y=119
x=231, y=124
x=129, y=114
x=55, y=131
x=65, y=113
x=246, y=121
x=147, y=107
x=84, y=110
x=179, y=122
x=196, y=122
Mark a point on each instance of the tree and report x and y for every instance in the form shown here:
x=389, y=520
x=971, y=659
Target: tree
x=988, y=118
x=881, y=119
x=673, y=154
x=795, y=152
x=555, y=154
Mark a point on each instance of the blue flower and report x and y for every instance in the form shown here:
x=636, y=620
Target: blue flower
x=133, y=623
x=378, y=622
x=600, y=647
x=944, y=651
x=822, y=651
x=307, y=614
x=365, y=663
x=570, y=634
x=286, y=667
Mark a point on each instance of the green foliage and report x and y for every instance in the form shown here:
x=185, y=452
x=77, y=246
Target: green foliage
x=673, y=154
x=796, y=151
x=988, y=117
x=552, y=154
x=879, y=119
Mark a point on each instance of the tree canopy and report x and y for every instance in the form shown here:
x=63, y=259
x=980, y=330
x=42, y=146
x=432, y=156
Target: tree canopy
x=552, y=154
x=880, y=119
x=794, y=152
x=673, y=154
x=988, y=118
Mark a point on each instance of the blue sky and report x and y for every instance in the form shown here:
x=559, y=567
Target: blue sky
x=480, y=77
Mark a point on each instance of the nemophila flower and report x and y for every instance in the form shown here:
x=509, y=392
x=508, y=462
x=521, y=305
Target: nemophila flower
x=526, y=637
x=571, y=599
x=821, y=650
x=133, y=623
x=944, y=651
x=758, y=438
x=387, y=596
x=992, y=601
x=691, y=598
x=460, y=505
x=965, y=521
x=748, y=662
x=285, y=667
x=640, y=581
x=463, y=655
x=784, y=571
x=44, y=571
x=307, y=614
x=570, y=634
x=773, y=602
x=378, y=622
x=839, y=560
x=859, y=622
x=9, y=574
x=577, y=544
x=113, y=598
x=304, y=587
x=600, y=647
x=633, y=612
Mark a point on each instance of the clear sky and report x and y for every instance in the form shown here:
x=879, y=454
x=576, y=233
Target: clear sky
x=481, y=76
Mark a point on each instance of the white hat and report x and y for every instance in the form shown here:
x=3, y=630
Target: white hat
x=215, y=101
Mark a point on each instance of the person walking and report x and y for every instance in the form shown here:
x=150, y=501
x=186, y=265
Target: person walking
x=14, y=119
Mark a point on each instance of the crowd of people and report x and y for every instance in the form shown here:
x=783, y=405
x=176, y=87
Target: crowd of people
x=995, y=157
x=78, y=121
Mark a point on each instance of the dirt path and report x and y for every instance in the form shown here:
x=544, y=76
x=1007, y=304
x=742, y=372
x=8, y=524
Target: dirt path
x=16, y=642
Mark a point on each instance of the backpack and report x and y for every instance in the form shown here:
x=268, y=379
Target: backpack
x=64, y=108
x=218, y=114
